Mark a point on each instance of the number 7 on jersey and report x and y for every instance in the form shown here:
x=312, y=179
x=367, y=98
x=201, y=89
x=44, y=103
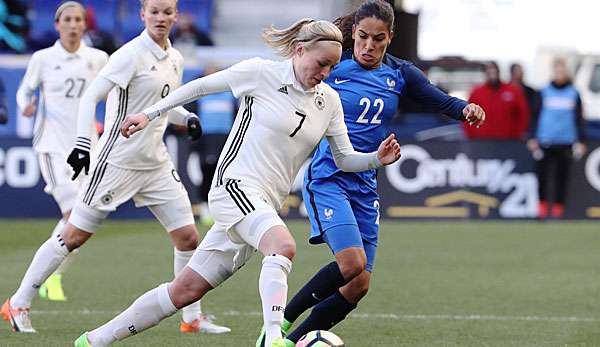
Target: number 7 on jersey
x=302, y=118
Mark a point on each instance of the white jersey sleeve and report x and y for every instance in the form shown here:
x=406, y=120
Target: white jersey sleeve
x=337, y=126
x=241, y=79
x=179, y=116
x=349, y=160
x=120, y=69
x=30, y=82
x=86, y=114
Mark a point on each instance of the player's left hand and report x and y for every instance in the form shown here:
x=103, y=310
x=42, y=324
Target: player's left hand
x=194, y=127
x=474, y=115
x=134, y=123
x=389, y=150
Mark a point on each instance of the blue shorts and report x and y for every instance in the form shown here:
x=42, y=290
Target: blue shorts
x=343, y=213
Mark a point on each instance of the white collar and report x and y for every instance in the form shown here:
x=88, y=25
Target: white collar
x=289, y=78
x=66, y=54
x=158, y=52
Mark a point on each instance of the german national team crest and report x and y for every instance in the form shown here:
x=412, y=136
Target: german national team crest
x=320, y=102
x=107, y=198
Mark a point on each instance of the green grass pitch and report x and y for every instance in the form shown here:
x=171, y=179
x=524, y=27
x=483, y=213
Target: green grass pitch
x=435, y=284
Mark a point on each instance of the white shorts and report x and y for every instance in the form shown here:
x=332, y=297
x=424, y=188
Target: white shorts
x=242, y=216
x=110, y=186
x=57, y=174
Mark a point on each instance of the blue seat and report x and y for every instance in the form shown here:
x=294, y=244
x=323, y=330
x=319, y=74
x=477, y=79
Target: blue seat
x=118, y=17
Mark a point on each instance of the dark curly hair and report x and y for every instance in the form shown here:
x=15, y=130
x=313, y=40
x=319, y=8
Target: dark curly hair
x=370, y=8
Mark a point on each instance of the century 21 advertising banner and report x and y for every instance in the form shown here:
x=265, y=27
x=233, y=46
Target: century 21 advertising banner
x=476, y=180
x=434, y=179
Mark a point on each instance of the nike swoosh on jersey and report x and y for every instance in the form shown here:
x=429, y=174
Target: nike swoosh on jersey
x=336, y=81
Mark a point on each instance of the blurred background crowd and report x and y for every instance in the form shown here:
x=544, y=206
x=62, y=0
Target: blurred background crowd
x=526, y=96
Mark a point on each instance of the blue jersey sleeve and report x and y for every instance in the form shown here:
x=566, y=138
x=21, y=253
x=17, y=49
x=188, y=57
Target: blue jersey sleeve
x=419, y=89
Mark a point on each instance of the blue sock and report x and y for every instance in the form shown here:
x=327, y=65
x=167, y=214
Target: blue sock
x=324, y=283
x=324, y=316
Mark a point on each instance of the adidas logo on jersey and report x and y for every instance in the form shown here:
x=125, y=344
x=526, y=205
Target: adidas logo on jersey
x=57, y=67
x=153, y=68
x=283, y=90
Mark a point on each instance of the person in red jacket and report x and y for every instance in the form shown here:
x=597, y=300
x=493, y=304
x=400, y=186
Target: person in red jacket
x=505, y=105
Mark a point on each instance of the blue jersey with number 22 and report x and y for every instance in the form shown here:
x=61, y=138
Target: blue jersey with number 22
x=370, y=99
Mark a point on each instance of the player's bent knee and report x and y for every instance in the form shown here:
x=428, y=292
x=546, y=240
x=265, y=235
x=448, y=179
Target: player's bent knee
x=188, y=287
x=287, y=249
x=351, y=269
x=185, y=238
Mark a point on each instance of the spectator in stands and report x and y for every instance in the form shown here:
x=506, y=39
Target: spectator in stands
x=187, y=36
x=557, y=135
x=532, y=95
x=505, y=107
x=94, y=37
x=14, y=26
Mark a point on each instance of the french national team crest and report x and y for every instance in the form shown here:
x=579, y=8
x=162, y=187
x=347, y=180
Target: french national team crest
x=391, y=83
x=320, y=102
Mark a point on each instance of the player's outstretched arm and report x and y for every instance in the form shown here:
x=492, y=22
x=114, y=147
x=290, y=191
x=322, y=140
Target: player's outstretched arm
x=349, y=160
x=79, y=159
x=134, y=123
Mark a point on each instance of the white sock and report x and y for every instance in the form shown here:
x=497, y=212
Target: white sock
x=64, y=266
x=59, y=227
x=145, y=312
x=45, y=261
x=272, y=285
x=180, y=260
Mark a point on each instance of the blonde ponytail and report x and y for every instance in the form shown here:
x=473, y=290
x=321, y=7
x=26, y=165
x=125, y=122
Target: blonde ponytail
x=306, y=32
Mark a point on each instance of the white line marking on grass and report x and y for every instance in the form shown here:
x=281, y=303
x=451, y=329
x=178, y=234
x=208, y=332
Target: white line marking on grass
x=392, y=316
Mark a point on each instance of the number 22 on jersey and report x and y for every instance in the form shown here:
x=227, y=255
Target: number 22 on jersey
x=378, y=104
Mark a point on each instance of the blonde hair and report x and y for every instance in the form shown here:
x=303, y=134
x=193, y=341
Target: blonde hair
x=66, y=5
x=306, y=32
x=143, y=3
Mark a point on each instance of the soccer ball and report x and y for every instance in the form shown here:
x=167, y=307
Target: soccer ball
x=320, y=338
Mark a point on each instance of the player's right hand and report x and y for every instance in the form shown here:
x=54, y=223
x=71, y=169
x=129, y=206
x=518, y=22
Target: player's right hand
x=29, y=110
x=134, y=123
x=79, y=159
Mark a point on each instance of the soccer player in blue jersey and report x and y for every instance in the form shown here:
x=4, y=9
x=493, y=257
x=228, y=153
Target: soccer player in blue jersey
x=344, y=207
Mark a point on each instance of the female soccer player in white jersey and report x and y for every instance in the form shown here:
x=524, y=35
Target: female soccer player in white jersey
x=139, y=74
x=61, y=73
x=286, y=111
